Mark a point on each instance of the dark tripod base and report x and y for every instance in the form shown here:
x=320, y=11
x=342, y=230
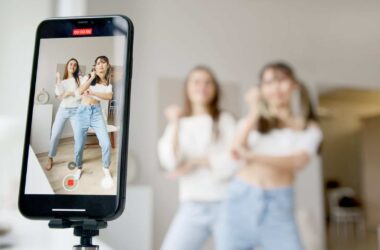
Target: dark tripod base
x=85, y=229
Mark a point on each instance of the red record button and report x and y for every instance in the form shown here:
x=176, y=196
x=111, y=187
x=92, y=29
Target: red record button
x=70, y=183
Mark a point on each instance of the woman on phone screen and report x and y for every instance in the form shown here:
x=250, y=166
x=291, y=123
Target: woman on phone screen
x=95, y=88
x=65, y=91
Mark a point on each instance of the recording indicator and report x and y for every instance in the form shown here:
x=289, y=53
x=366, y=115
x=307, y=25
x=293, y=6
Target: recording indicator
x=82, y=32
x=70, y=183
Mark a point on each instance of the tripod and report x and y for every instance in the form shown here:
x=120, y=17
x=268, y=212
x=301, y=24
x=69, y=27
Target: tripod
x=85, y=229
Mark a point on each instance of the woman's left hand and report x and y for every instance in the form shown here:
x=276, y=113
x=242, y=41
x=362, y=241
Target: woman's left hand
x=241, y=153
x=68, y=93
x=181, y=170
x=200, y=161
x=252, y=98
x=88, y=92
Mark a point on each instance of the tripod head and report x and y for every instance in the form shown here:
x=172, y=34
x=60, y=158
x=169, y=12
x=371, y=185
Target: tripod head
x=85, y=229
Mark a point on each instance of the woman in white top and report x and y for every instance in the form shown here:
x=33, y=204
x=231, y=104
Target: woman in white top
x=274, y=141
x=95, y=87
x=65, y=91
x=195, y=149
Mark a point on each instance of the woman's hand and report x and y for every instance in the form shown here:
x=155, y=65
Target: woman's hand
x=88, y=92
x=252, y=98
x=173, y=113
x=189, y=166
x=68, y=93
x=92, y=74
x=200, y=161
x=181, y=170
x=241, y=153
x=58, y=77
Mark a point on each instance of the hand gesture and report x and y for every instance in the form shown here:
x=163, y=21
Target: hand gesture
x=88, y=92
x=58, y=77
x=173, y=113
x=92, y=74
x=240, y=153
x=253, y=98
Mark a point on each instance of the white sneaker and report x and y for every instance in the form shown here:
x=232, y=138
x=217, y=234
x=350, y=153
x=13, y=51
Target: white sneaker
x=107, y=181
x=78, y=174
x=107, y=173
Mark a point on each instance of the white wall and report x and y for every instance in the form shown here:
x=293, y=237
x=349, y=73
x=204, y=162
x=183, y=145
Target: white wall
x=18, y=23
x=71, y=7
x=330, y=43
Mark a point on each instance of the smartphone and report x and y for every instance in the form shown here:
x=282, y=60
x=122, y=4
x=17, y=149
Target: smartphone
x=75, y=152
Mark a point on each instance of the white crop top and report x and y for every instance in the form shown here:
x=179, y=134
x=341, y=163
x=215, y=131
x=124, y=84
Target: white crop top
x=284, y=141
x=98, y=87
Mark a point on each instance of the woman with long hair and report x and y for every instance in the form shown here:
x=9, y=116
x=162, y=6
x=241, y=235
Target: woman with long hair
x=65, y=91
x=95, y=88
x=195, y=149
x=277, y=138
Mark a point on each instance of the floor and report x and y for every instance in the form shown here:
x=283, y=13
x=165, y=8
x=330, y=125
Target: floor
x=92, y=175
x=352, y=241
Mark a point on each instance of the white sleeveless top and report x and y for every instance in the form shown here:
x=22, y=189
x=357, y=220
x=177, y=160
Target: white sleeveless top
x=284, y=141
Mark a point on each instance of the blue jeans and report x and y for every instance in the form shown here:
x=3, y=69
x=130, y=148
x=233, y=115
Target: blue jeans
x=91, y=116
x=62, y=115
x=193, y=224
x=252, y=217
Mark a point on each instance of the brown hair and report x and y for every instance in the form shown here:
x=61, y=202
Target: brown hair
x=266, y=122
x=75, y=74
x=213, y=105
x=108, y=73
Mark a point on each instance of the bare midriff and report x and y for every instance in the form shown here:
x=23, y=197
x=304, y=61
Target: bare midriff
x=266, y=176
x=89, y=101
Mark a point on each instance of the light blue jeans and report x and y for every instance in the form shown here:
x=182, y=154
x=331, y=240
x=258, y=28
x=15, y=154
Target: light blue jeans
x=252, y=218
x=62, y=115
x=91, y=116
x=193, y=224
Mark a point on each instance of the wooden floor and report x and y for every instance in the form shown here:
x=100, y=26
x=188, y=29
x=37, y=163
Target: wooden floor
x=92, y=175
x=352, y=241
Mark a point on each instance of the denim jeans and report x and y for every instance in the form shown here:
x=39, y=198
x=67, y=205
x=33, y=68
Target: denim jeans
x=62, y=115
x=252, y=218
x=91, y=116
x=193, y=224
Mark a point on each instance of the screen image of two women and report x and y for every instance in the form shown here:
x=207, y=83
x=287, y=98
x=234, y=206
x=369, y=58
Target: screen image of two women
x=236, y=178
x=80, y=98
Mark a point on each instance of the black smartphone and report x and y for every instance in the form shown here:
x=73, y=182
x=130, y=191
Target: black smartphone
x=75, y=154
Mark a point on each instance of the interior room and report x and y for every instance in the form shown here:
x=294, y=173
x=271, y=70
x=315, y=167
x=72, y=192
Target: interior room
x=52, y=63
x=333, y=47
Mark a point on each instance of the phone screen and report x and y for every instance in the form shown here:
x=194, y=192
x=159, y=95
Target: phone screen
x=78, y=108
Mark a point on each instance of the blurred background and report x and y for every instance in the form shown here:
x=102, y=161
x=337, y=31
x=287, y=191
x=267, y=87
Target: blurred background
x=334, y=47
